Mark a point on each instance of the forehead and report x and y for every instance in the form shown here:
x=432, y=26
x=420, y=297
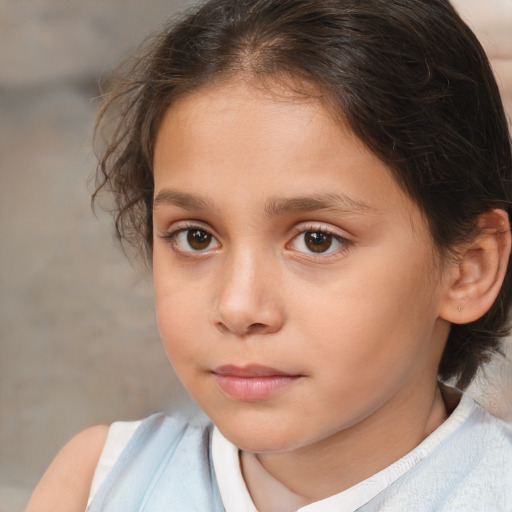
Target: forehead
x=269, y=114
x=254, y=145
x=272, y=124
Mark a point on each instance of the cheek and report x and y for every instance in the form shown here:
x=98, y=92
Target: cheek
x=180, y=337
x=177, y=306
x=373, y=319
x=175, y=318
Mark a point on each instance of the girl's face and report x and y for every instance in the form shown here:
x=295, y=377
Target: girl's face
x=297, y=290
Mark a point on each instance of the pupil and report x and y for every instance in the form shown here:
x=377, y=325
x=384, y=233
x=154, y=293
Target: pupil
x=198, y=239
x=318, y=242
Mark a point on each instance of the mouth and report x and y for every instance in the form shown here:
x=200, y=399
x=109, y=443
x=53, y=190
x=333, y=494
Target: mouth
x=253, y=382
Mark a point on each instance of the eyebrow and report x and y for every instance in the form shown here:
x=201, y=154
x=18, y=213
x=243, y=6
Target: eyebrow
x=182, y=200
x=274, y=207
x=330, y=201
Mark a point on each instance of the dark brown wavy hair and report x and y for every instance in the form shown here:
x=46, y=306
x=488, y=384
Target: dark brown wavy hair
x=408, y=76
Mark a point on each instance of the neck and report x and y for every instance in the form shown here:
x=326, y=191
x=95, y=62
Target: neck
x=348, y=457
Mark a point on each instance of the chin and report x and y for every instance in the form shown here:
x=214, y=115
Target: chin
x=259, y=439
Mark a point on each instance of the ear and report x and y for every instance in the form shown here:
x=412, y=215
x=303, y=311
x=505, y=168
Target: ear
x=474, y=281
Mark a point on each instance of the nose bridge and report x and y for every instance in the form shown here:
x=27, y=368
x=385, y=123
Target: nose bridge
x=247, y=297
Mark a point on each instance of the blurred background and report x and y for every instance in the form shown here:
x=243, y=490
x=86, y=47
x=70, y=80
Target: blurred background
x=78, y=340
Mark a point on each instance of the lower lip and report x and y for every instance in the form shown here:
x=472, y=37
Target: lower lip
x=251, y=389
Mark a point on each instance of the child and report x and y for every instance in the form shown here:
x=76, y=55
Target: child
x=323, y=189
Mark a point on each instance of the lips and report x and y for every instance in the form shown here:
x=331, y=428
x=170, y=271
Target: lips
x=250, y=371
x=253, y=382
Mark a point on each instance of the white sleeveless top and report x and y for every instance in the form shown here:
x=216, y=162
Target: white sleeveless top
x=236, y=498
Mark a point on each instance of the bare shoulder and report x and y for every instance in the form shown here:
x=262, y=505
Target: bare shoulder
x=66, y=484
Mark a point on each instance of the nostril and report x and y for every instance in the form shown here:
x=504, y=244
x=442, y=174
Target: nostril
x=223, y=328
x=257, y=328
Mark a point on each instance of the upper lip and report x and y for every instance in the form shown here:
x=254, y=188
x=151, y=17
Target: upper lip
x=252, y=370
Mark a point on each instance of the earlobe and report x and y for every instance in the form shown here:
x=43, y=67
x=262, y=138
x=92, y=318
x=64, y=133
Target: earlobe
x=475, y=280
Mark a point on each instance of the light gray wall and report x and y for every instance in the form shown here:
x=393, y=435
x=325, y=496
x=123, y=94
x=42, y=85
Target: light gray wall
x=78, y=342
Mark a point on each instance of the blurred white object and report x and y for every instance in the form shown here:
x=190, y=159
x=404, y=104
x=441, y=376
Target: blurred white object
x=493, y=386
x=492, y=22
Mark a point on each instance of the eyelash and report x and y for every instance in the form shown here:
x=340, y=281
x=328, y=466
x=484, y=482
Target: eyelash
x=322, y=230
x=171, y=238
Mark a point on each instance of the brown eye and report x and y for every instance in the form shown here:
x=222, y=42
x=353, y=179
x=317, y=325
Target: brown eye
x=198, y=239
x=318, y=242
x=192, y=240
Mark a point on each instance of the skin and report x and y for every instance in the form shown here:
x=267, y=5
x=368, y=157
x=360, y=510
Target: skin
x=359, y=325
x=66, y=483
x=360, y=320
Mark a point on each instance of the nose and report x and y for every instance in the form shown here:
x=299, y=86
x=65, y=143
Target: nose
x=248, y=298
